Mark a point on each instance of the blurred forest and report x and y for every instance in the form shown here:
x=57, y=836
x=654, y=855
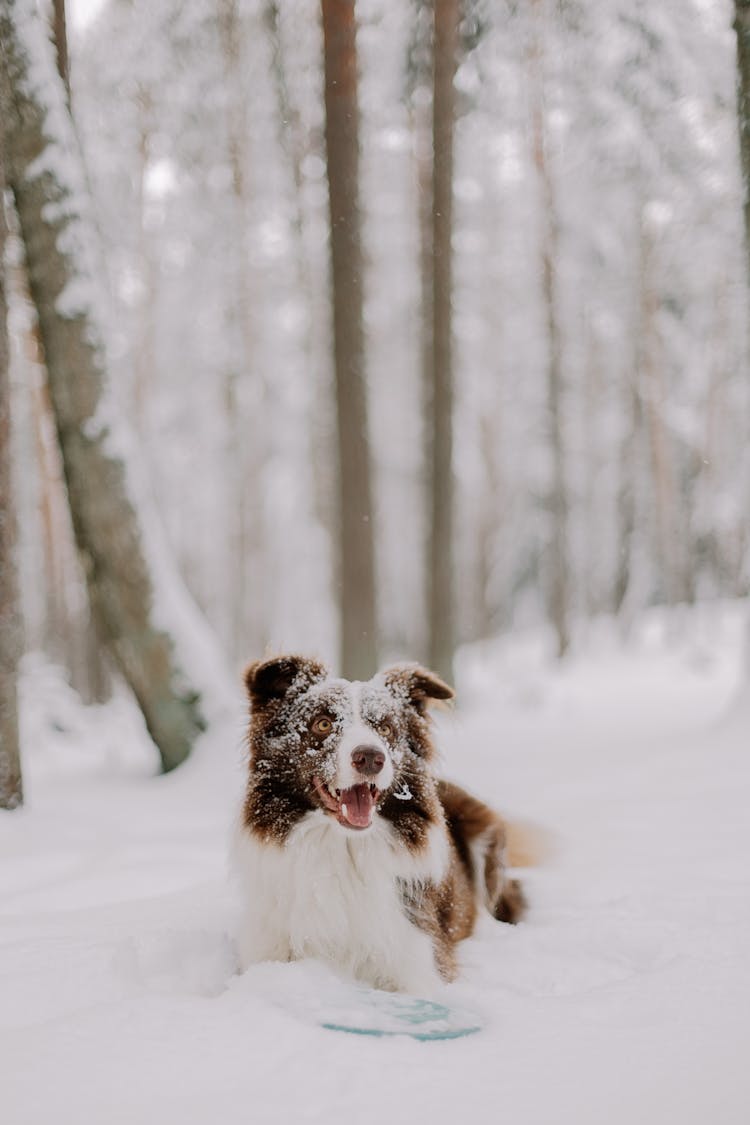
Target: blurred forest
x=529, y=400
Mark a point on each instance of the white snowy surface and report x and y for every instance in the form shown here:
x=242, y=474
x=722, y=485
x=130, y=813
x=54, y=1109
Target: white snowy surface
x=624, y=997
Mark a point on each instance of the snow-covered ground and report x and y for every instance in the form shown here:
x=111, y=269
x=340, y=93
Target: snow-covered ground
x=624, y=997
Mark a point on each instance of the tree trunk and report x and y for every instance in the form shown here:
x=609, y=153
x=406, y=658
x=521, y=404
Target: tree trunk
x=144, y=348
x=11, y=790
x=82, y=637
x=296, y=143
x=245, y=445
x=488, y=600
x=558, y=577
x=45, y=174
x=439, y=351
x=356, y=548
x=420, y=76
x=591, y=566
x=742, y=29
x=634, y=493
x=627, y=467
x=71, y=636
x=60, y=37
x=654, y=395
x=52, y=510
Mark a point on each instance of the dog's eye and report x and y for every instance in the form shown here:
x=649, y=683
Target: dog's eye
x=322, y=725
x=385, y=729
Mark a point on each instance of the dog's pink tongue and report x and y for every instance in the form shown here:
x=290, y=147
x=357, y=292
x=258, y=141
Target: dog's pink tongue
x=356, y=805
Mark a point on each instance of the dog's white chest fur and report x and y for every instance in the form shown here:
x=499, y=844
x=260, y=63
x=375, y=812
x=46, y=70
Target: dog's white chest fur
x=332, y=894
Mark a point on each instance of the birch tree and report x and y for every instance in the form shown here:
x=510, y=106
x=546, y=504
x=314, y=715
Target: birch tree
x=356, y=553
x=49, y=188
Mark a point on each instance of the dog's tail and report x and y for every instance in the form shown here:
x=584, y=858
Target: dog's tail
x=523, y=845
x=492, y=845
x=527, y=844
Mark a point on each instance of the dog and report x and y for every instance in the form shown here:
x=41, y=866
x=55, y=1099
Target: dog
x=349, y=848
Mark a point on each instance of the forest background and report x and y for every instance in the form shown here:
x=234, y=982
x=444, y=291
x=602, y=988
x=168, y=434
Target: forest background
x=511, y=389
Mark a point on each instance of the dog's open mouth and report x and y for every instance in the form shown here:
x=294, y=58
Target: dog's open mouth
x=353, y=807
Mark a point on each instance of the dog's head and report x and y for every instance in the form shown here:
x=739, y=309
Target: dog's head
x=348, y=748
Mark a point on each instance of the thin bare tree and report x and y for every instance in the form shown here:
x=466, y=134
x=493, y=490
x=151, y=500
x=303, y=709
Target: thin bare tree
x=297, y=143
x=245, y=445
x=626, y=499
x=438, y=346
x=358, y=640
x=11, y=789
x=558, y=576
x=653, y=391
x=742, y=30
x=60, y=37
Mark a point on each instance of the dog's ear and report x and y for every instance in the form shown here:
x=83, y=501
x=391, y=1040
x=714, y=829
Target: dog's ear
x=416, y=685
x=267, y=680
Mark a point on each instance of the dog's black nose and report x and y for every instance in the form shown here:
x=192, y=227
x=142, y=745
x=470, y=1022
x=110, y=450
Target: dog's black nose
x=368, y=760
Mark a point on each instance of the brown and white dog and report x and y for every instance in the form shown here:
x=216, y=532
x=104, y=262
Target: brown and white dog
x=350, y=849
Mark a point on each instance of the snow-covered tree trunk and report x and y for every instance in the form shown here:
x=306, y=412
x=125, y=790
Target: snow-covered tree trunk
x=89, y=672
x=356, y=543
x=11, y=791
x=45, y=173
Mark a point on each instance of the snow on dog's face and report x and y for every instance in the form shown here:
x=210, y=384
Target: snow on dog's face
x=353, y=750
